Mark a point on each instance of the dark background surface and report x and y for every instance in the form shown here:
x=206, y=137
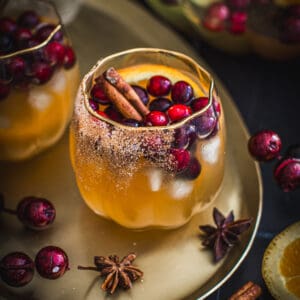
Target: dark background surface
x=267, y=93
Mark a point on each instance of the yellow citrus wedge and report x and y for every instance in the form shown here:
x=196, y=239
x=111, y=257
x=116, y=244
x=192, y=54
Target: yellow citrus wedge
x=281, y=264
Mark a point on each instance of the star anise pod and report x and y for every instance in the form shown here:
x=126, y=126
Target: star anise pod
x=117, y=273
x=225, y=235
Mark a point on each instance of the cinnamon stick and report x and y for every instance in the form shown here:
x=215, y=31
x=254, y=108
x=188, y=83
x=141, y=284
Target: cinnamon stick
x=249, y=291
x=115, y=79
x=122, y=104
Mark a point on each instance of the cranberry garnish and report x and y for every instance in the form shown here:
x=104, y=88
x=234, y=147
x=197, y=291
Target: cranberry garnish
x=98, y=95
x=293, y=151
x=94, y=105
x=287, y=174
x=4, y=90
x=41, y=72
x=16, y=269
x=238, y=21
x=191, y=132
x=51, y=262
x=181, y=92
x=142, y=93
x=6, y=43
x=44, y=32
x=193, y=169
x=156, y=118
x=16, y=67
x=28, y=19
x=178, y=112
x=160, y=104
x=217, y=107
x=7, y=25
x=102, y=114
x=131, y=122
x=265, y=145
x=181, y=158
x=159, y=86
x=199, y=103
x=215, y=17
x=113, y=114
x=291, y=30
x=22, y=36
x=70, y=57
x=55, y=53
x=181, y=138
x=205, y=124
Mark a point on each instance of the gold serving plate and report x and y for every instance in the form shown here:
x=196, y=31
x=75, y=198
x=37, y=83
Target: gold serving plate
x=174, y=263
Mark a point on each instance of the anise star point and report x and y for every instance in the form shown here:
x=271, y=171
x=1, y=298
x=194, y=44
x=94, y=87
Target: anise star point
x=117, y=273
x=226, y=233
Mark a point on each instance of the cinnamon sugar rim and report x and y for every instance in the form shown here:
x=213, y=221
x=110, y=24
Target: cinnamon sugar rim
x=58, y=27
x=86, y=84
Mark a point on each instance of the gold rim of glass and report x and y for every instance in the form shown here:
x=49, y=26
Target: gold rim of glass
x=45, y=42
x=181, y=56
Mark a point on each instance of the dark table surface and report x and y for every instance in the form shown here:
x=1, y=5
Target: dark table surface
x=267, y=93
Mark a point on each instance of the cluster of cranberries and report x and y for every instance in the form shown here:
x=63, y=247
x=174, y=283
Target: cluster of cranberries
x=17, y=268
x=35, y=213
x=266, y=146
x=37, y=66
x=168, y=104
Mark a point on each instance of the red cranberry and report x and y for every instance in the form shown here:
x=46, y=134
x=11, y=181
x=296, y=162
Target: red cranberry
x=159, y=86
x=55, y=53
x=291, y=30
x=142, y=93
x=94, y=105
x=156, y=118
x=7, y=25
x=287, y=174
x=293, y=151
x=102, y=114
x=191, y=132
x=6, y=43
x=41, y=72
x=36, y=213
x=28, y=19
x=181, y=138
x=4, y=90
x=16, y=67
x=181, y=92
x=131, y=123
x=238, y=4
x=113, y=114
x=217, y=107
x=22, y=36
x=178, y=112
x=44, y=32
x=51, y=262
x=238, y=21
x=215, y=17
x=199, y=103
x=181, y=158
x=265, y=145
x=70, y=57
x=98, y=95
x=205, y=124
x=193, y=169
x=16, y=269
x=160, y=104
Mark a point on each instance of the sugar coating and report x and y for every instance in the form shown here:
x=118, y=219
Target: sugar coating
x=180, y=188
x=210, y=150
x=39, y=99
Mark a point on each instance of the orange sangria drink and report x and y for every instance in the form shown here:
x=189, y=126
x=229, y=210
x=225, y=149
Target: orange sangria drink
x=147, y=138
x=39, y=77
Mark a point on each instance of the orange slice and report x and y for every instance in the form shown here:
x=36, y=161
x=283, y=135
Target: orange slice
x=281, y=264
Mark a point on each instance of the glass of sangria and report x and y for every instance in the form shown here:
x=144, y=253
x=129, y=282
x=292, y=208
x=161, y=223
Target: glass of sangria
x=147, y=138
x=39, y=77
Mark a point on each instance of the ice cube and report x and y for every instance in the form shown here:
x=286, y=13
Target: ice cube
x=210, y=150
x=4, y=122
x=58, y=82
x=39, y=99
x=180, y=188
x=155, y=179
